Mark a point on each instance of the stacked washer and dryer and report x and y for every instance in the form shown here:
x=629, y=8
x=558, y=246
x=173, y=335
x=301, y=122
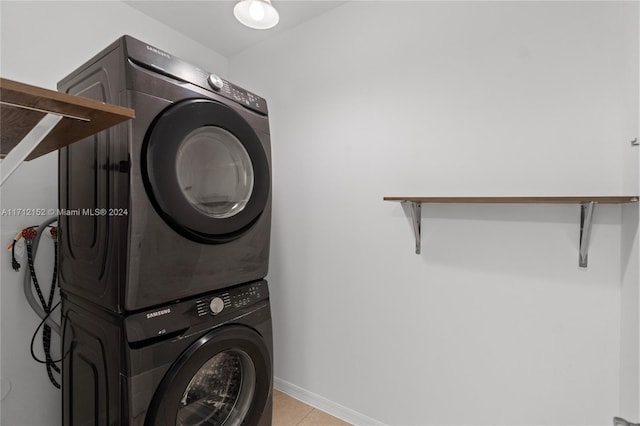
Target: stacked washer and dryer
x=166, y=314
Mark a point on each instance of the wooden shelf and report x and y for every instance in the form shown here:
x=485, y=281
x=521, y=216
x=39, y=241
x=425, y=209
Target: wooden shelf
x=587, y=205
x=519, y=200
x=23, y=107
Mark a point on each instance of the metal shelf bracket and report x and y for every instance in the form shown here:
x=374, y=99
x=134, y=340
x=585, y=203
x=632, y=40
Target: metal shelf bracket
x=586, y=216
x=415, y=209
x=619, y=421
x=18, y=154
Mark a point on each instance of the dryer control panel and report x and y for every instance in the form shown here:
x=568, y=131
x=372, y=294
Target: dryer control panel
x=175, y=318
x=164, y=63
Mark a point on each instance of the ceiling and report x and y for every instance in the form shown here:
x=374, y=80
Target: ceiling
x=212, y=24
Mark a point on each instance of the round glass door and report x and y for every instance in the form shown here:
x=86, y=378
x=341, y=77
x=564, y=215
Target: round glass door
x=220, y=393
x=223, y=379
x=215, y=172
x=205, y=170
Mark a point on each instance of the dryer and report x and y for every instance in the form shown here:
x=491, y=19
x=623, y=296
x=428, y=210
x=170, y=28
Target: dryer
x=206, y=360
x=177, y=201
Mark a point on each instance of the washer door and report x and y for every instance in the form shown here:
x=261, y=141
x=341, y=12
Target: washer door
x=223, y=379
x=205, y=170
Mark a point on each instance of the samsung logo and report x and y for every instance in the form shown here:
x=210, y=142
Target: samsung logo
x=158, y=51
x=158, y=313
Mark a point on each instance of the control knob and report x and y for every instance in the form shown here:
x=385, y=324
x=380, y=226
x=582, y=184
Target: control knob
x=216, y=305
x=215, y=82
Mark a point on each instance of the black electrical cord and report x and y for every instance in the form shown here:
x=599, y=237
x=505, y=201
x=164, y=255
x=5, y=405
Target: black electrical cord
x=34, y=278
x=48, y=361
x=46, y=331
x=29, y=234
x=14, y=263
x=27, y=287
x=35, y=334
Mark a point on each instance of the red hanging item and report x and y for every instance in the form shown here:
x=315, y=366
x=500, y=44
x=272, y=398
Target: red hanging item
x=29, y=233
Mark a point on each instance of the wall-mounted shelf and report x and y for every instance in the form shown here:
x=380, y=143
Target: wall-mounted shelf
x=37, y=121
x=587, y=205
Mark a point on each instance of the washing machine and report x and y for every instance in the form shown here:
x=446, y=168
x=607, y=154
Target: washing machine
x=173, y=203
x=203, y=361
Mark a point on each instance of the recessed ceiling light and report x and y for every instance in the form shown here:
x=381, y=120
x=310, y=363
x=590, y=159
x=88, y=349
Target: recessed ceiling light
x=258, y=14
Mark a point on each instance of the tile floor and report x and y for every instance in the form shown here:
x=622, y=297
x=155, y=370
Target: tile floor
x=288, y=411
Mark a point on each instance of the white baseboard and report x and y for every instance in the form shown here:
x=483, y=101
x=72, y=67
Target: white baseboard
x=324, y=404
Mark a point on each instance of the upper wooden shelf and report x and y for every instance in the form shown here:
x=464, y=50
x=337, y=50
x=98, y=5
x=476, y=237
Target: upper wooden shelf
x=22, y=106
x=520, y=200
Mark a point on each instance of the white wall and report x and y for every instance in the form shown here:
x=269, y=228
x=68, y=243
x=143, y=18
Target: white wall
x=630, y=317
x=630, y=288
x=41, y=42
x=494, y=323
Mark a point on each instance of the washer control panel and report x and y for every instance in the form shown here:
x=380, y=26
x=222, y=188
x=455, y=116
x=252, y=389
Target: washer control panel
x=175, y=318
x=231, y=300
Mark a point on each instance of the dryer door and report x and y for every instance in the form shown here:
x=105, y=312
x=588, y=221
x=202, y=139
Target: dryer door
x=205, y=170
x=224, y=379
